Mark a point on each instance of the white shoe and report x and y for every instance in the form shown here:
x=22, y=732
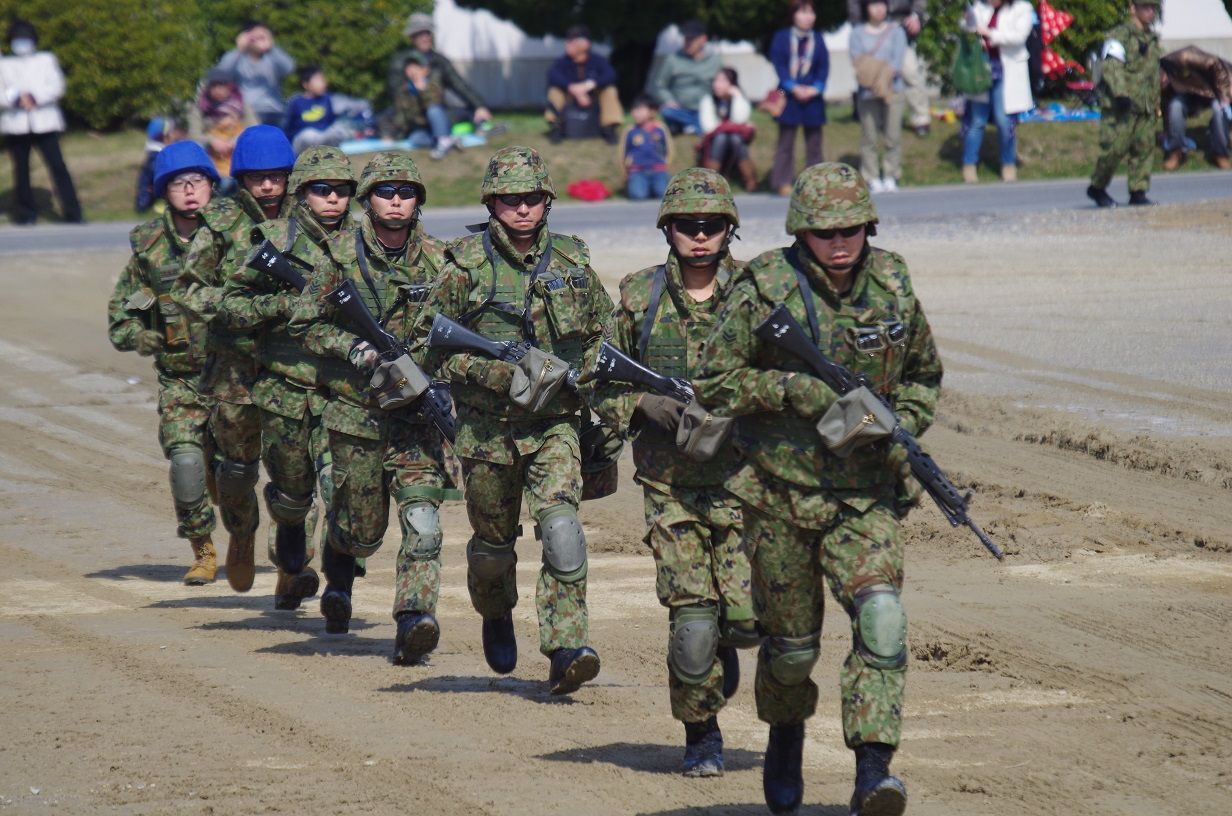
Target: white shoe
x=875, y=186
x=889, y=186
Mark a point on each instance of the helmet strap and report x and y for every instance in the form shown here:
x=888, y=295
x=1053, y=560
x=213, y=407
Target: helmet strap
x=390, y=223
x=524, y=233
x=701, y=260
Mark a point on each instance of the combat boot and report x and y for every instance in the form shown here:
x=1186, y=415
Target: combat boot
x=748, y=175
x=782, y=781
x=703, y=749
x=1137, y=198
x=418, y=634
x=339, y=571
x=205, y=562
x=500, y=647
x=570, y=668
x=1100, y=196
x=291, y=590
x=730, y=659
x=1173, y=160
x=877, y=793
x=241, y=568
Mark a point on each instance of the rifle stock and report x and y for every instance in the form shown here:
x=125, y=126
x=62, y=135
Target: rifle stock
x=449, y=335
x=614, y=365
x=266, y=258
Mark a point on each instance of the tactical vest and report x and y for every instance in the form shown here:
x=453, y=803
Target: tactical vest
x=278, y=351
x=161, y=259
x=228, y=223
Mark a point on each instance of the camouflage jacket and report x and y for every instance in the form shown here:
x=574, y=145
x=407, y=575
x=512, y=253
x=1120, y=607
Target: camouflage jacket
x=142, y=299
x=568, y=316
x=393, y=289
x=1137, y=75
x=790, y=470
x=676, y=333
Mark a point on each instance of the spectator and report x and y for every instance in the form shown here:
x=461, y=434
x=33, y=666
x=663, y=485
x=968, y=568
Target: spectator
x=31, y=85
x=803, y=65
x=318, y=117
x=1194, y=80
x=647, y=152
x=160, y=132
x=683, y=79
x=724, y=114
x=578, y=82
x=1005, y=26
x=420, y=31
x=420, y=115
x=877, y=50
x=910, y=15
x=259, y=67
x=218, y=118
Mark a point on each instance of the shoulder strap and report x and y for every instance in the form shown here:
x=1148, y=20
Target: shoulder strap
x=361, y=257
x=806, y=293
x=652, y=310
x=528, y=327
x=478, y=310
x=291, y=227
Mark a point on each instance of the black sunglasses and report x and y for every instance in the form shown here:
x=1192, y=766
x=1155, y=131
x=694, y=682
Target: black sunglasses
x=403, y=191
x=344, y=189
x=517, y=199
x=830, y=234
x=708, y=226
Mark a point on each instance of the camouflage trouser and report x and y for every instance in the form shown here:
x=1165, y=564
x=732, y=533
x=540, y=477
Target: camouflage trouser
x=407, y=464
x=295, y=454
x=1129, y=138
x=551, y=476
x=183, y=420
x=696, y=537
x=237, y=434
x=857, y=550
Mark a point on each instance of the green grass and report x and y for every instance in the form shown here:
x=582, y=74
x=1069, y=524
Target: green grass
x=104, y=166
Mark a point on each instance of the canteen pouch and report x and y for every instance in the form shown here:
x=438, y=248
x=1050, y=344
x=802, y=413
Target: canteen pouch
x=855, y=419
x=701, y=434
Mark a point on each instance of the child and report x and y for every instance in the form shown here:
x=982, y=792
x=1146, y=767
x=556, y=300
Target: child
x=647, y=151
x=218, y=118
x=313, y=117
x=420, y=115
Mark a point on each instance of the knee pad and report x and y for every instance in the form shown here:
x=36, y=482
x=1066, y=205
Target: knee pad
x=791, y=659
x=187, y=475
x=236, y=479
x=742, y=634
x=286, y=509
x=421, y=531
x=325, y=478
x=488, y=561
x=693, y=643
x=346, y=544
x=564, y=543
x=880, y=627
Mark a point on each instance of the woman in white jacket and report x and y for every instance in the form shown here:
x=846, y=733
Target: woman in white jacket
x=1005, y=26
x=726, y=131
x=31, y=85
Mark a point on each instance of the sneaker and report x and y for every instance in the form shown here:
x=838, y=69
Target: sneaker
x=921, y=131
x=443, y=146
x=889, y=186
x=703, y=749
x=571, y=668
x=875, y=186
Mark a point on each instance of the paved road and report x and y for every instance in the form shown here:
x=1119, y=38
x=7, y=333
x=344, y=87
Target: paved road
x=911, y=205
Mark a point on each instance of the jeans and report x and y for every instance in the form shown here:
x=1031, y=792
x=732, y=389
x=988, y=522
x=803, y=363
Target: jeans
x=1174, y=115
x=644, y=184
x=727, y=150
x=681, y=119
x=438, y=128
x=977, y=116
x=25, y=209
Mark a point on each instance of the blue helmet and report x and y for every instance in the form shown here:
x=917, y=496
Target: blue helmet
x=180, y=157
x=261, y=147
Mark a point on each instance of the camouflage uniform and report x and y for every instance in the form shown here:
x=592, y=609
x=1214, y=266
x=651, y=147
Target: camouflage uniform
x=506, y=450
x=1129, y=105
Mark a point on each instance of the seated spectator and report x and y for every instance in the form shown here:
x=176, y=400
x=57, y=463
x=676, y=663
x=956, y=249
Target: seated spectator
x=318, y=117
x=646, y=153
x=579, y=82
x=160, y=132
x=1194, y=80
x=419, y=113
x=421, y=32
x=258, y=66
x=218, y=118
x=683, y=79
x=877, y=50
x=724, y=115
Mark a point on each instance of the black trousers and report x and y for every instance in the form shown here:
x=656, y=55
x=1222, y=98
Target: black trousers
x=25, y=209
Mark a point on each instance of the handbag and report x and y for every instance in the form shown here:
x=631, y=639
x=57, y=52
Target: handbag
x=970, y=73
x=773, y=103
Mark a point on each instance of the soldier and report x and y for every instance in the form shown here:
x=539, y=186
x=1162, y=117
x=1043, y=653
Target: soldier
x=664, y=315
x=378, y=453
x=518, y=423
x=1129, y=90
x=286, y=389
x=144, y=319
x=260, y=163
x=811, y=514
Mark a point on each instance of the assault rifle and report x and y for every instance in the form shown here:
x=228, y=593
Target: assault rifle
x=434, y=404
x=450, y=335
x=782, y=330
x=266, y=258
x=614, y=365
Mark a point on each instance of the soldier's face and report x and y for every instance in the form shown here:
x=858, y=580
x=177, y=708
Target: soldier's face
x=688, y=234
x=520, y=217
x=188, y=192
x=393, y=209
x=834, y=249
x=333, y=204
x=267, y=187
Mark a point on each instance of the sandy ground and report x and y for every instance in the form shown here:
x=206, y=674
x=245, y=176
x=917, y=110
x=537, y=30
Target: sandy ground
x=1091, y=673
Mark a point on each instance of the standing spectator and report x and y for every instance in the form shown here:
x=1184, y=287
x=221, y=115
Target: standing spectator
x=259, y=67
x=31, y=85
x=683, y=79
x=910, y=15
x=420, y=115
x=318, y=117
x=580, y=79
x=647, y=152
x=877, y=50
x=724, y=115
x=1005, y=26
x=803, y=65
x=420, y=31
x=218, y=118
x=1192, y=80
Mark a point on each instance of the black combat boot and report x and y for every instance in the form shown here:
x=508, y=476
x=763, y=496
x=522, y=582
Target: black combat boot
x=418, y=634
x=339, y=571
x=877, y=793
x=291, y=547
x=500, y=647
x=1100, y=196
x=730, y=659
x=703, y=749
x=291, y=590
x=781, y=779
x=1137, y=198
x=571, y=668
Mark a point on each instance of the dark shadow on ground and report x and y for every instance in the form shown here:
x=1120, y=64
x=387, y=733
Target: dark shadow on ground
x=747, y=810
x=333, y=645
x=649, y=758
x=168, y=573
x=536, y=691
x=44, y=202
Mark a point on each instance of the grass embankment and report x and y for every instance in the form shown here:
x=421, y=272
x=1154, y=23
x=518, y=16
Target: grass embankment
x=105, y=166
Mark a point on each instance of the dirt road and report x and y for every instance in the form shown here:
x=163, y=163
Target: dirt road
x=1086, y=403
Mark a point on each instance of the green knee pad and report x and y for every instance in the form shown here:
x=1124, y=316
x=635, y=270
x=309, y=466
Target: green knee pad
x=286, y=509
x=488, y=561
x=187, y=475
x=880, y=625
x=564, y=543
x=693, y=642
x=791, y=659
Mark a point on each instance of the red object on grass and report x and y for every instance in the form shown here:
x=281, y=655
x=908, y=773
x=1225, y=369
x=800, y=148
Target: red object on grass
x=588, y=190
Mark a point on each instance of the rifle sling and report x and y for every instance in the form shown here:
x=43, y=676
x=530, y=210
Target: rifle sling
x=652, y=310
x=806, y=294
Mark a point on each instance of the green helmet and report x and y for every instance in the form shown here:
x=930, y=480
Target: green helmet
x=830, y=195
x=320, y=164
x=390, y=166
x=698, y=190
x=516, y=170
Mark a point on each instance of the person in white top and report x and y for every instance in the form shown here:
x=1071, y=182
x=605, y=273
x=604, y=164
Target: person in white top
x=1004, y=26
x=724, y=117
x=31, y=85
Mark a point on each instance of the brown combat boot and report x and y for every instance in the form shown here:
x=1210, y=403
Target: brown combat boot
x=240, y=563
x=748, y=175
x=205, y=562
x=1173, y=160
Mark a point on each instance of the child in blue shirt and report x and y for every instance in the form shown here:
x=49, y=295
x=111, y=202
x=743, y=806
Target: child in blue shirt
x=646, y=152
x=315, y=118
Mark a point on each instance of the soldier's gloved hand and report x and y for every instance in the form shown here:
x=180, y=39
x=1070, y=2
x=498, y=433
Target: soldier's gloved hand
x=1123, y=104
x=496, y=375
x=808, y=396
x=661, y=411
x=363, y=355
x=148, y=342
x=271, y=306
